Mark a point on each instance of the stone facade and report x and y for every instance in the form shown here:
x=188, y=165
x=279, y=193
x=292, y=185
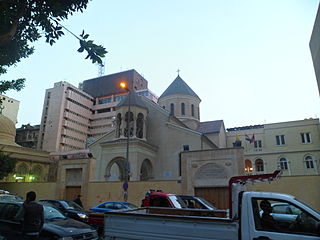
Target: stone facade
x=32, y=165
x=155, y=155
x=293, y=147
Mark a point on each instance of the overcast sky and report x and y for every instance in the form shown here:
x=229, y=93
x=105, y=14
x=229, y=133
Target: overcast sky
x=248, y=60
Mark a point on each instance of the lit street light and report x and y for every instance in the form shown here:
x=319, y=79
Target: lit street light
x=127, y=165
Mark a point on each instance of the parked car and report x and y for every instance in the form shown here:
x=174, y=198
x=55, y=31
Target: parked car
x=68, y=208
x=161, y=199
x=197, y=202
x=9, y=197
x=56, y=226
x=112, y=206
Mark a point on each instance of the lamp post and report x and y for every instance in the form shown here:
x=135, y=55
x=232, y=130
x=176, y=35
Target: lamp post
x=127, y=165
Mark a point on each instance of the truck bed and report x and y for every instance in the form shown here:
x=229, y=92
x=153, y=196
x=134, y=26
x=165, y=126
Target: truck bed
x=160, y=224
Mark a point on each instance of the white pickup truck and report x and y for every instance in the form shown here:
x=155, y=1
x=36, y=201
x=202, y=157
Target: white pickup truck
x=253, y=216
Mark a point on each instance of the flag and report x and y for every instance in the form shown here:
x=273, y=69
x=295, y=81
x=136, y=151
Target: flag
x=248, y=138
x=252, y=139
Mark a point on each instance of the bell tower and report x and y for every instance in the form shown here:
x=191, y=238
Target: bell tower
x=182, y=102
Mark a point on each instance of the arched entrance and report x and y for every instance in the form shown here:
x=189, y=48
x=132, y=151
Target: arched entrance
x=115, y=171
x=146, y=170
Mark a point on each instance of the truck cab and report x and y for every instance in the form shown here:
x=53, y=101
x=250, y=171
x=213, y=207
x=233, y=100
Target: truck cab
x=277, y=216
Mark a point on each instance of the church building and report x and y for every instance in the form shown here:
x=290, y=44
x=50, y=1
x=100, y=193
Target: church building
x=158, y=135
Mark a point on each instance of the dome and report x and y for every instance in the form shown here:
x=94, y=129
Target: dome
x=7, y=131
x=178, y=86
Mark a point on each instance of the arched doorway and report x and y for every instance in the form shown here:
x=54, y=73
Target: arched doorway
x=146, y=170
x=115, y=171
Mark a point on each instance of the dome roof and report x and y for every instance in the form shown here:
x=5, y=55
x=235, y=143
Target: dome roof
x=7, y=131
x=7, y=126
x=178, y=86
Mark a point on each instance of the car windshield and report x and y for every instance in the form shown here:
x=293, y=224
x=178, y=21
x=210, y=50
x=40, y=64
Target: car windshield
x=307, y=205
x=177, y=201
x=206, y=203
x=130, y=205
x=50, y=213
x=71, y=205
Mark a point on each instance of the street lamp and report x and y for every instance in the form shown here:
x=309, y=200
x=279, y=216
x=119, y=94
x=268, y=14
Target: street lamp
x=127, y=165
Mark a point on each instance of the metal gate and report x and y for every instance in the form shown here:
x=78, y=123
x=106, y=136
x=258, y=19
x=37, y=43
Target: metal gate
x=72, y=192
x=218, y=196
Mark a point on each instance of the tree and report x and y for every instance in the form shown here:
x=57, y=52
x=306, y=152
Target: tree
x=25, y=21
x=7, y=164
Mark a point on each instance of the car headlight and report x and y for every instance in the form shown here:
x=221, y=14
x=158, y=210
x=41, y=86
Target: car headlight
x=82, y=215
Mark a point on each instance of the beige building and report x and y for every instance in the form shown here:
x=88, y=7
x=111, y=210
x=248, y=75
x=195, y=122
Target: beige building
x=171, y=149
x=169, y=142
x=9, y=107
x=73, y=116
x=293, y=147
x=32, y=165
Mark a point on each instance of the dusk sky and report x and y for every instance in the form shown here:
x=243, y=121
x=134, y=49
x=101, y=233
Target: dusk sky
x=248, y=60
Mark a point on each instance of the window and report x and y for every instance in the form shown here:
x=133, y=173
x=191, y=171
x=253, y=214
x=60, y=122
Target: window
x=183, y=112
x=103, y=110
x=280, y=140
x=309, y=162
x=283, y=163
x=131, y=122
x=259, y=165
x=172, y=108
x=305, y=137
x=279, y=217
x=192, y=110
x=140, y=123
x=258, y=144
x=105, y=100
x=248, y=166
x=185, y=147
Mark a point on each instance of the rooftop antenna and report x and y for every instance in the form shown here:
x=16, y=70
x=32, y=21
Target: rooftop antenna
x=101, y=68
x=178, y=71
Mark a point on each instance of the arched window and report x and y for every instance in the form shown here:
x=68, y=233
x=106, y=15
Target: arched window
x=116, y=170
x=139, y=131
x=283, y=163
x=118, y=122
x=259, y=165
x=183, y=111
x=36, y=173
x=130, y=125
x=309, y=162
x=22, y=169
x=146, y=171
x=248, y=166
x=172, y=108
x=192, y=110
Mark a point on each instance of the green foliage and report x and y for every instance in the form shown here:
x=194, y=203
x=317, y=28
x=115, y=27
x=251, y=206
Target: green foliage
x=13, y=84
x=25, y=21
x=7, y=164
